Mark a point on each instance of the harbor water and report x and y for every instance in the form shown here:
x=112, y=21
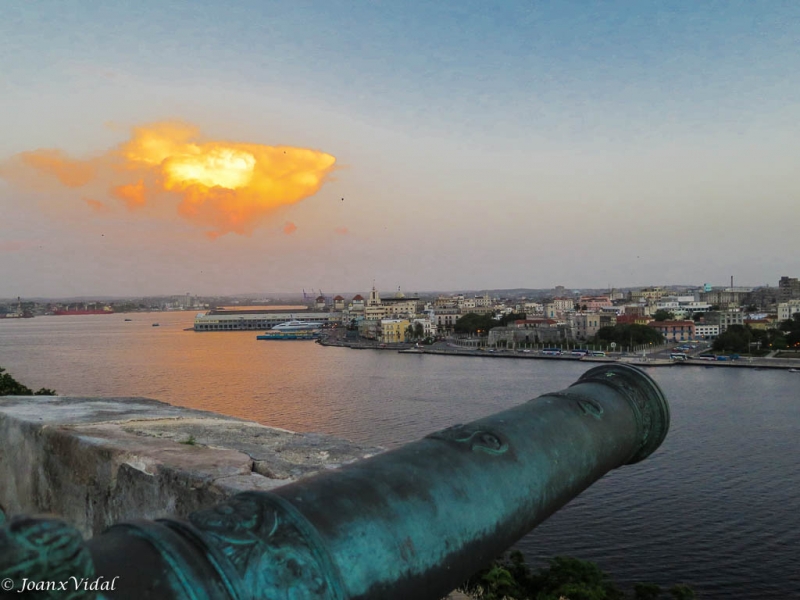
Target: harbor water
x=717, y=507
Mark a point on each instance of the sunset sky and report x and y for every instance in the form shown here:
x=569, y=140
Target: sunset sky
x=159, y=147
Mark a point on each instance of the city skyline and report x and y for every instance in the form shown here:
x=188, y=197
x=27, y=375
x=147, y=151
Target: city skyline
x=476, y=146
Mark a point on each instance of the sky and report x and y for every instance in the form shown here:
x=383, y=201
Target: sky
x=166, y=147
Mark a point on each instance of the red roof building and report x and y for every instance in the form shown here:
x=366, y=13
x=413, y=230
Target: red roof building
x=674, y=331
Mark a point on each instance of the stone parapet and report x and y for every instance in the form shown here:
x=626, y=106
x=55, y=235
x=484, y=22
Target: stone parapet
x=97, y=461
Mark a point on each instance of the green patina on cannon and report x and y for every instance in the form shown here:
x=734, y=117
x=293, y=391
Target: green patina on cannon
x=411, y=523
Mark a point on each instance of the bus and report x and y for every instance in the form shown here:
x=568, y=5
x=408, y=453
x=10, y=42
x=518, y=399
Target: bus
x=552, y=351
x=678, y=356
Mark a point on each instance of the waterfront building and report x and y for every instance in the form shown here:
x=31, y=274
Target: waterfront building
x=547, y=332
x=369, y=329
x=787, y=309
x=338, y=303
x=706, y=332
x=428, y=328
x=585, y=324
x=533, y=323
x=724, y=318
x=445, y=318
x=393, y=331
x=258, y=319
x=675, y=331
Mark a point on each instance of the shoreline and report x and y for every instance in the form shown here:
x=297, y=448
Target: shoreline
x=784, y=364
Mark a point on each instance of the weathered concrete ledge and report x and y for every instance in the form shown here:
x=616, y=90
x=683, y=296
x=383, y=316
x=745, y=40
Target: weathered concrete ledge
x=96, y=461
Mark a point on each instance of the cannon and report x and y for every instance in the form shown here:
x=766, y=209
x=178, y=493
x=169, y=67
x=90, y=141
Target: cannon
x=413, y=522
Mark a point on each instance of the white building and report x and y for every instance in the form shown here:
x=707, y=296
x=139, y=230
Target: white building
x=787, y=309
x=428, y=327
x=706, y=331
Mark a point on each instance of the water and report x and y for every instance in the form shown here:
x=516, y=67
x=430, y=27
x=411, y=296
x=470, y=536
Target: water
x=716, y=507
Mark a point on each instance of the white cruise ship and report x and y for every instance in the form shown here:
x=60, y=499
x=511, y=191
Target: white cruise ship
x=297, y=326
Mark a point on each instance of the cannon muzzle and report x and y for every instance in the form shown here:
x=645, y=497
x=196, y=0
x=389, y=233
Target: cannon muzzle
x=411, y=523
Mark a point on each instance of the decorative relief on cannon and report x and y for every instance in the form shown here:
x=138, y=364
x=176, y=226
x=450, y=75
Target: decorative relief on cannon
x=33, y=551
x=476, y=440
x=270, y=547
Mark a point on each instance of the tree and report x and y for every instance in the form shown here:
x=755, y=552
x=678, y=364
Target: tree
x=663, y=315
x=628, y=335
x=509, y=578
x=681, y=591
x=577, y=580
x=735, y=339
x=646, y=591
x=419, y=330
x=474, y=323
x=11, y=387
x=510, y=318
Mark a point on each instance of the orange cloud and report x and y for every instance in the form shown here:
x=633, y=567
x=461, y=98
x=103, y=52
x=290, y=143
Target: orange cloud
x=289, y=228
x=132, y=194
x=96, y=206
x=225, y=187
x=71, y=173
x=341, y=230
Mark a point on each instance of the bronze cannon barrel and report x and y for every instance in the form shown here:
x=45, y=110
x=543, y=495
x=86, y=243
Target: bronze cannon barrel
x=411, y=523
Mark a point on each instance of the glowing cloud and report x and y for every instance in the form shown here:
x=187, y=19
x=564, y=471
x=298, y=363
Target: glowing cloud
x=71, y=173
x=132, y=194
x=289, y=228
x=341, y=230
x=226, y=187
x=96, y=206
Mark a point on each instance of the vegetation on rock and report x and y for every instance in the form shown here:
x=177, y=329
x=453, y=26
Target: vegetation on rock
x=566, y=578
x=11, y=387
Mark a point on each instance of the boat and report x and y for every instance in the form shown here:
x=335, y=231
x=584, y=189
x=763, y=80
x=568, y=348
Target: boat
x=794, y=370
x=155, y=325
x=297, y=326
x=129, y=319
x=299, y=334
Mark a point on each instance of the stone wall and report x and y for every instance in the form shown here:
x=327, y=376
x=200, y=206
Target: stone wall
x=96, y=461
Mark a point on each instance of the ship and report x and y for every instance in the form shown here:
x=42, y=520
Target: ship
x=296, y=326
